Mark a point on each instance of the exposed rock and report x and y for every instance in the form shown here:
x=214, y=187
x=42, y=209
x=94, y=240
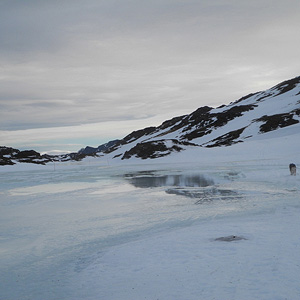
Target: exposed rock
x=87, y=150
x=155, y=149
x=209, y=121
x=245, y=97
x=133, y=136
x=287, y=85
x=9, y=156
x=137, y=134
x=170, y=123
x=276, y=121
x=102, y=148
x=227, y=139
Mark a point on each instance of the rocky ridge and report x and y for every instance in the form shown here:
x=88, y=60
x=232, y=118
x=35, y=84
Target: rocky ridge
x=244, y=119
x=11, y=156
x=241, y=120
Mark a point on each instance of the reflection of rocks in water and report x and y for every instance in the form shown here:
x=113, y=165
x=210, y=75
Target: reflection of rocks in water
x=230, y=238
x=141, y=173
x=171, y=180
x=206, y=195
x=194, y=186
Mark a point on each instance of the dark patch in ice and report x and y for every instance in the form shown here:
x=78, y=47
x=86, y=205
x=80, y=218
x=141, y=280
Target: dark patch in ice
x=195, y=186
x=148, y=173
x=206, y=195
x=171, y=180
x=230, y=238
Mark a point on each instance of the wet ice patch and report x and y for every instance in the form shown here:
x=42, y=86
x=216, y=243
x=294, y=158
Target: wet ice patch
x=180, y=180
x=197, y=186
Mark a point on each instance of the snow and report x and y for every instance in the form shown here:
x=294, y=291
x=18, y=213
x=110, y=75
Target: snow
x=190, y=264
x=150, y=229
x=97, y=231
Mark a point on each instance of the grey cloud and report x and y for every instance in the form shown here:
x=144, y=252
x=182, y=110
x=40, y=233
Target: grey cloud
x=48, y=25
x=68, y=62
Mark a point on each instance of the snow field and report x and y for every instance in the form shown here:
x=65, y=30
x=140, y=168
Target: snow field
x=189, y=264
x=84, y=231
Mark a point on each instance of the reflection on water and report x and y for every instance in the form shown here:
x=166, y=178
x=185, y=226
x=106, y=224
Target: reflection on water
x=197, y=186
x=171, y=180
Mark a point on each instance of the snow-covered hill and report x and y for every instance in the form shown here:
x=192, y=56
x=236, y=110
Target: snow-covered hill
x=246, y=119
x=261, y=121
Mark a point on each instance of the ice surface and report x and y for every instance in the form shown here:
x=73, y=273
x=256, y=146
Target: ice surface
x=148, y=232
x=218, y=223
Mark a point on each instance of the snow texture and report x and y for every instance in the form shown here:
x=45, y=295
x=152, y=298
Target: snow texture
x=100, y=230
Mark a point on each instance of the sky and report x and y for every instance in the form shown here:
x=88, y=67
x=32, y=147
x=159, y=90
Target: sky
x=75, y=73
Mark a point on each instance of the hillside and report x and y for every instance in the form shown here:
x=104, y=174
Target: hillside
x=250, y=118
x=245, y=119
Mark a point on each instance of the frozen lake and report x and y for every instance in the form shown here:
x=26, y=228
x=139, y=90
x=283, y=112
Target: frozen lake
x=56, y=222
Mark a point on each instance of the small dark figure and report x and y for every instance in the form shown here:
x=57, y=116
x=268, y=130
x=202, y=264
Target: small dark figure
x=293, y=169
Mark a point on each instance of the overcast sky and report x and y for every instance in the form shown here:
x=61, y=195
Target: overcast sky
x=76, y=73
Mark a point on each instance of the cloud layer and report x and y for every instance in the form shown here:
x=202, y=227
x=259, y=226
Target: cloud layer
x=72, y=63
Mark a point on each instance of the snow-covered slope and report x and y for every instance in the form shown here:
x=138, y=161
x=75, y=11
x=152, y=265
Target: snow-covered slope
x=247, y=119
x=266, y=121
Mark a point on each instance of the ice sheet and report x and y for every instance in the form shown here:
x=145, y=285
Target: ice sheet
x=82, y=233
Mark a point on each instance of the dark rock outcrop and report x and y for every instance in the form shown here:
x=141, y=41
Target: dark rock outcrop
x=10, y=156
x=155, y=149
x=102, y=148
x=278, y=121
x=287, y=85
x=227, y=139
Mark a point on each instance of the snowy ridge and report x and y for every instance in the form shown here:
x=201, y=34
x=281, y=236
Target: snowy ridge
x=244, y=120
x=250, y=120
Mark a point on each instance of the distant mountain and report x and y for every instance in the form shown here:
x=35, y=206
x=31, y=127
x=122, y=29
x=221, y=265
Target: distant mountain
x=241, y=120
x=11, y=156
x=104, y=147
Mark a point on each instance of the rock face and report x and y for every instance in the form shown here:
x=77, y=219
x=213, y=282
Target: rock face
x=155, y=149
x=279, y=120
x=246, y=118
x=91, y=150
x=9, y=156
